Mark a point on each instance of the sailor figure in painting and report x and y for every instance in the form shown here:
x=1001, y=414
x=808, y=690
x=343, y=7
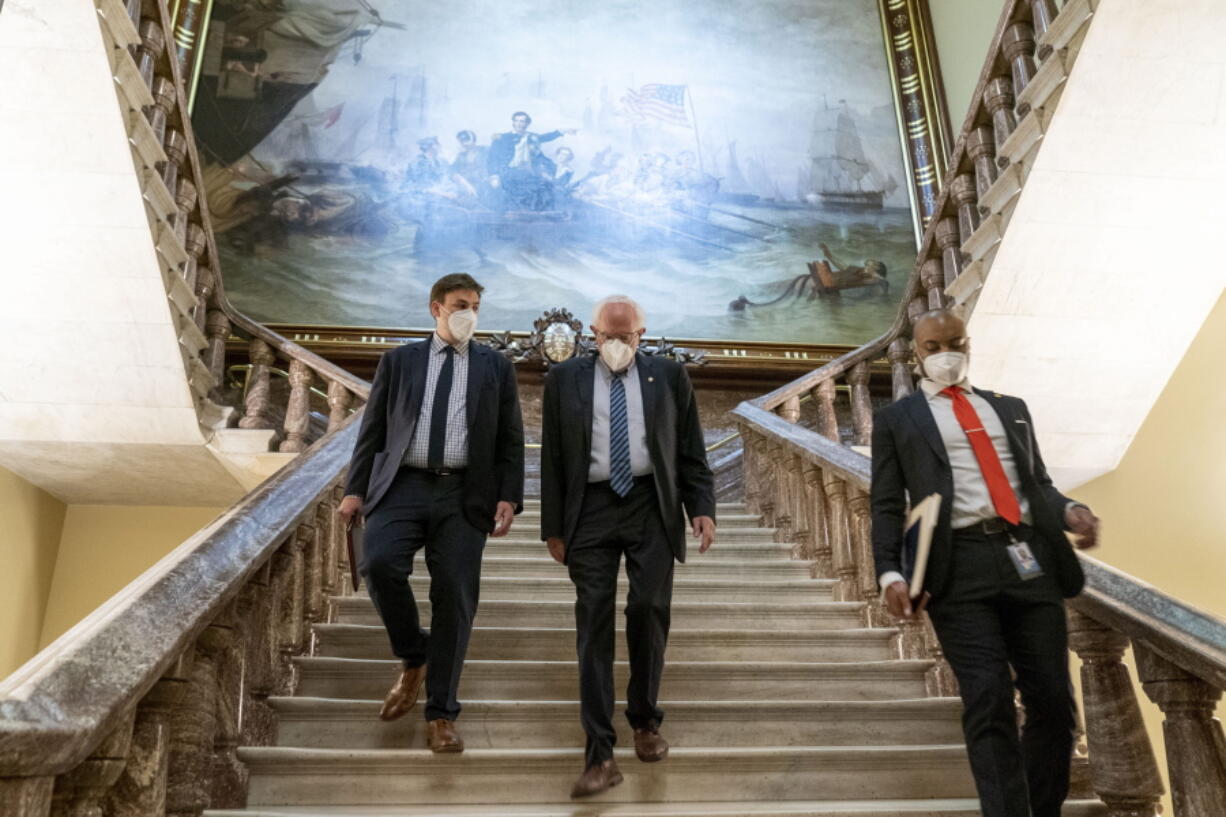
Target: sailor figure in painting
x=519, y=168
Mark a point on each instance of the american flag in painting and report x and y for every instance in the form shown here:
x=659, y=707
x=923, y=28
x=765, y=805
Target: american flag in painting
x=663, y=102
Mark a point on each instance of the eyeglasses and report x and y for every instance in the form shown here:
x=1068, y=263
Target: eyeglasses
x=627, y=338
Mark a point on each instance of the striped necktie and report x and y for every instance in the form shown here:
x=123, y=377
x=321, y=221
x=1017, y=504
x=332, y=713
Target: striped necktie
x=621, y=478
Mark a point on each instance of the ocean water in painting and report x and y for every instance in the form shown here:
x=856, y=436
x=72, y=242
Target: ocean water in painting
x=737, y=169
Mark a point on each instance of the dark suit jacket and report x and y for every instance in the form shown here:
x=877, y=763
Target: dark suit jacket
x=684, y=483
x=495, y=430
x=909, y=458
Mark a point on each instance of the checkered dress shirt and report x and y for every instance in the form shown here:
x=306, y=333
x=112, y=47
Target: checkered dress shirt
x=455, y=450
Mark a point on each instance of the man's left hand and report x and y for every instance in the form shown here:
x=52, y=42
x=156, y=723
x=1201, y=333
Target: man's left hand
x=1082, y=522
x=704, y=527
x=503, y=517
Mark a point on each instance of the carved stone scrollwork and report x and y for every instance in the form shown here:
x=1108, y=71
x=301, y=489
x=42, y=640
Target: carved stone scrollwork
x=557, y=336
x=1195, y=746
x=1123, y=769
x=259, y=387
x=339, y=398
x=81, y=791
x=298, y=410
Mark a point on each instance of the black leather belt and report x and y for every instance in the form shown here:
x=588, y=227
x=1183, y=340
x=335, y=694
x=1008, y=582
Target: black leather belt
x=991, y=527
x=437, y=472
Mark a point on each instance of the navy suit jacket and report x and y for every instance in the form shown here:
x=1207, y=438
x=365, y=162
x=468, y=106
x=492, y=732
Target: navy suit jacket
x=909, y=458
x=495, y=470
x=684, y=482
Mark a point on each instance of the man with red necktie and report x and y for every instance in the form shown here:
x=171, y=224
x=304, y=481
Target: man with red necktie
x=998, y=571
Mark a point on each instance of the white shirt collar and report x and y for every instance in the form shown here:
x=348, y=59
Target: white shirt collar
x=932, y=388
x=437, y=344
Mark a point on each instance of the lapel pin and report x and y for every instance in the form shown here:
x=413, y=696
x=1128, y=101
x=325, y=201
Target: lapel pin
x=651, y=380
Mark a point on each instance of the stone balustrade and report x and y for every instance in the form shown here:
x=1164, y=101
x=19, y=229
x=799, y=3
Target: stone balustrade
x=139, y=710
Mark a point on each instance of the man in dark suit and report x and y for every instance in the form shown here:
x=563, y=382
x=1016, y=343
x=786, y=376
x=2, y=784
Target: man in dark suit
x=993, y=608
x=438, y=464
x=622, y=462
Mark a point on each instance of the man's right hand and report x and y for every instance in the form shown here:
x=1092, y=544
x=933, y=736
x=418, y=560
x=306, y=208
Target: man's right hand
x=898, y=601
x=557, y=548
x=351, y=506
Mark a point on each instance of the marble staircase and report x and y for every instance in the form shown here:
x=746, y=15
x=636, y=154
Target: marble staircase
x=779, y=701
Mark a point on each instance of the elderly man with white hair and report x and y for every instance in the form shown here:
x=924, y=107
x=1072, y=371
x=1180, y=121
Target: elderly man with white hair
x=623, y=463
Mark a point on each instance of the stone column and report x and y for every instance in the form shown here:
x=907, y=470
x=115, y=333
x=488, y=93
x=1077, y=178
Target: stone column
x=1123, y=769
x=1195, y=746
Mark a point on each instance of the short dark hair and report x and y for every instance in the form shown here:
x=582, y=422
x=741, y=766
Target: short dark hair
x=524, y=114
x=452, y=283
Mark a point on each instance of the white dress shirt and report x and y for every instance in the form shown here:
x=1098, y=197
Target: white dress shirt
x=640, y=459
x=972, y=503
x=455, y=448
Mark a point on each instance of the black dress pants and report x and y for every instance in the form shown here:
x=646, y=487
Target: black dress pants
x=610, y=526
x=988, y=621
x=424, y=510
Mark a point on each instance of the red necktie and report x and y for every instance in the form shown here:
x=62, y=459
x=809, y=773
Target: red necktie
x=999, y=488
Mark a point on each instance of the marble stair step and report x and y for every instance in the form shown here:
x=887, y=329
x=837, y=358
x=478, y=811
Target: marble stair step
x=943, y=807
x=724, y=520
x=289, y=776
x=725, y=547
x=697, y=567
x=354, y=724
x=685, y=588
x=558, y=644
x=367, y=679
x=817, y=615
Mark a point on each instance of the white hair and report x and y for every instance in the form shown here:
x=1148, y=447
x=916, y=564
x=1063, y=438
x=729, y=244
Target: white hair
x=640, y=320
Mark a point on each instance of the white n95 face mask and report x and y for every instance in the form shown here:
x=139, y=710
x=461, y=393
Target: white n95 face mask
x=462, y=323
x=616, y=355
x=946, y=368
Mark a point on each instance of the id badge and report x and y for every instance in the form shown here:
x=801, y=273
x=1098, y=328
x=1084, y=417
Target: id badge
x=1023, y=560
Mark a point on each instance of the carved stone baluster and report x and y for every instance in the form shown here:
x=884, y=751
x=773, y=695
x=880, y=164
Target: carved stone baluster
x=827, y=420
x=766, y=482
x=315, y=605
x=1018, y=46
x=290, y=612
x=133, y=9
x=176, y=150
x=962, y=189
x=326, y=521
x=861, y=404
x=164, y=100
x=228, y=778
x=141, y=788
x=860, y=527
x=194, y=243
x=259, y=388
x=981, y=147
x=217, y=330
x=340, y=564
x=949, y=239
x=258, y=725
x=152, y=43
x=998, y=99
x=900, y=367
x=802, y=536
x=26, y=796
x=823, y=555
x=298, y=411
x=918, y=306
x=185, y=201
x=193, y=727
x=932, y=279
x=81, y=791
x=1195, y=746
x=1123, y=769
x=339, y=398
x=780, y=514
x=790, y=409
x=203, y=287
x=749, y=466
x=1044, y=13
x=840, y=537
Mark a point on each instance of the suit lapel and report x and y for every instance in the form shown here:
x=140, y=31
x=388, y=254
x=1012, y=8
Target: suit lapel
x=477, y=363
x=647, y=385
x=585, y=372
x=921, y=415
x=1019, y=446
x=418, y=362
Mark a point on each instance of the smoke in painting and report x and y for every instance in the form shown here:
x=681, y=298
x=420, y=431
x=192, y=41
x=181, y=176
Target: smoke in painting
x=736, y=167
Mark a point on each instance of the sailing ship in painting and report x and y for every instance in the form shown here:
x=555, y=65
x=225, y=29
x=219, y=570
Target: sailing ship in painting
x=283, y=170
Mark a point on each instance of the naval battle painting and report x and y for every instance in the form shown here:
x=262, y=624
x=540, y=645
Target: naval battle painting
x=738, y=168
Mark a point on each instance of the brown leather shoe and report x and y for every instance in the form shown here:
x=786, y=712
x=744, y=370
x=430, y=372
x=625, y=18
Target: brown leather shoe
x=597, y=779
x=403, y=695
x=649, y=745
x=442, y=737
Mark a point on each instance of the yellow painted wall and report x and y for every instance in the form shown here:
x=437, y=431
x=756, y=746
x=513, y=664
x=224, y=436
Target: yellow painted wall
x=31, y=521
x=104, y=547
x=963, y=30
x=1162, y=507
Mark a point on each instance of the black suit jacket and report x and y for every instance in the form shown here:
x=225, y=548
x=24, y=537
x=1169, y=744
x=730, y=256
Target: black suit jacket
x=495, y=430
x=909, y=458
x=684, y=483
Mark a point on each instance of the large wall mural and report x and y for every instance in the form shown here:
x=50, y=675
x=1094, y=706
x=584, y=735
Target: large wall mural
x=737, y=167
